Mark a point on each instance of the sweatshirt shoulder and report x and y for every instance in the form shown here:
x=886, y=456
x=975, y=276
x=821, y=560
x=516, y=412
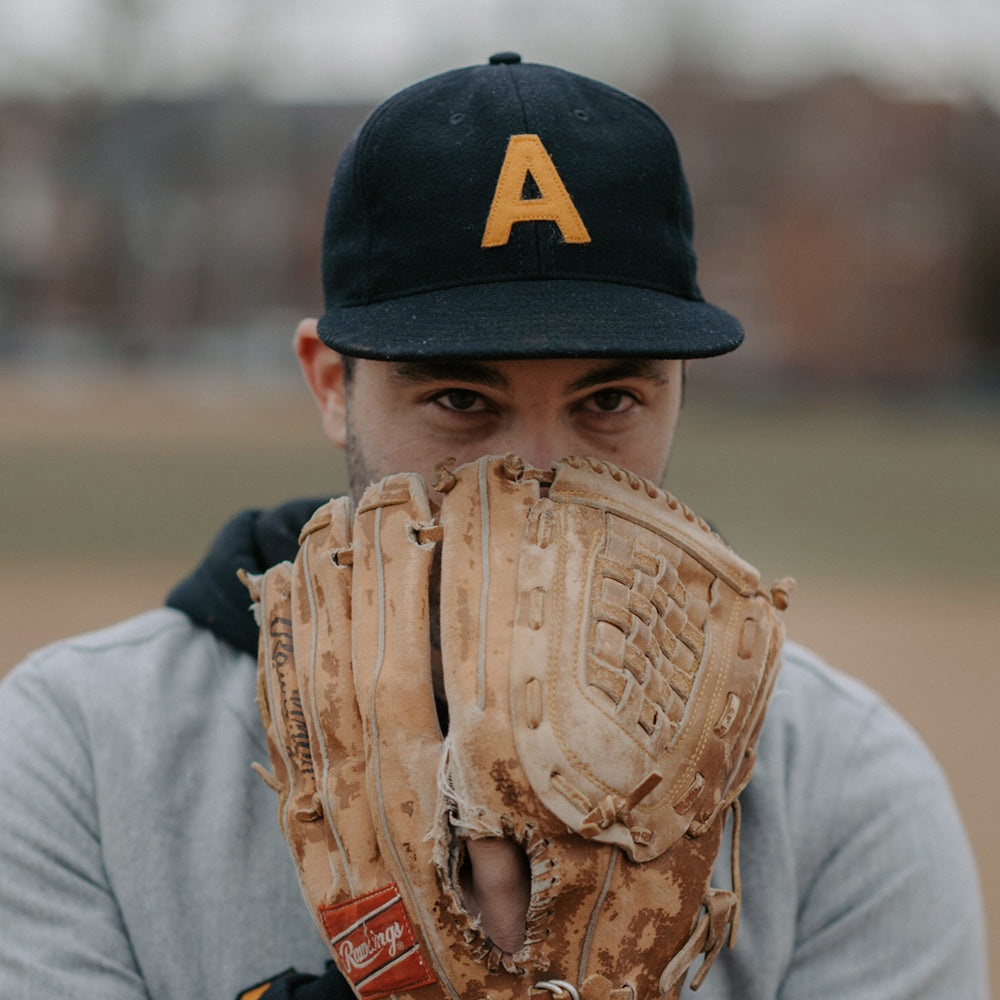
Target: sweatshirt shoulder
x=806, y=675
x=831, y=738
x=136, y=644
x=148, y=662
x=814, y=699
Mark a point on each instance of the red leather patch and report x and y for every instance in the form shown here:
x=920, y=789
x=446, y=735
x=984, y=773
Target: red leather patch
x=375, y=944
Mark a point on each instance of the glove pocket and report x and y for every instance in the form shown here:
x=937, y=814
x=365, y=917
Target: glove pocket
x=622, y=676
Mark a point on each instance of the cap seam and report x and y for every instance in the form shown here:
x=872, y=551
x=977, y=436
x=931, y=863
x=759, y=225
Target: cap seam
x=363, y=140
x=711, y=349
x=524, y=127
x=608, y=279
x=658, y=121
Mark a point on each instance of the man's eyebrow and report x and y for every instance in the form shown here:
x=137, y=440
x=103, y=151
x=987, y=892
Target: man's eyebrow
x=420, y=372
x=625, y=368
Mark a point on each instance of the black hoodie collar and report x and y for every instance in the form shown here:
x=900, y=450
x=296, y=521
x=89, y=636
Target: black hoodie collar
x=212, y=596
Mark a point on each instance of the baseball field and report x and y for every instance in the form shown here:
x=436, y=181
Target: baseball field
x=884, y=509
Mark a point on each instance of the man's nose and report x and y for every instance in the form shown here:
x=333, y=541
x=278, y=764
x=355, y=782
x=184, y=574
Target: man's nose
x=540, y=444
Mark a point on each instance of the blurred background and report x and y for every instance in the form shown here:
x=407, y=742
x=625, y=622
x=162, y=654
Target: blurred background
x=163, y=174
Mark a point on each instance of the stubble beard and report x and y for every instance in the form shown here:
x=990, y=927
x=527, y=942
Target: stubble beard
x=359, y=475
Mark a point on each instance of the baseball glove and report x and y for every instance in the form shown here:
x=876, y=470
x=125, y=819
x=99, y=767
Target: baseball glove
x=606, y=662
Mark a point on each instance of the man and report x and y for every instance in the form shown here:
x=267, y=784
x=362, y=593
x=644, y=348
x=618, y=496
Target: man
x=508, y=268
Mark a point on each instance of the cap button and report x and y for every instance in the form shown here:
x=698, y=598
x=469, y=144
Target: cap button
x=504, y=58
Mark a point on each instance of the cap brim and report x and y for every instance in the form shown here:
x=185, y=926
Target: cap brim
x=532, y=319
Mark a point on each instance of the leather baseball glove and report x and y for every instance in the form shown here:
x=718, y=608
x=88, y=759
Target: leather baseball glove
x=606, y=663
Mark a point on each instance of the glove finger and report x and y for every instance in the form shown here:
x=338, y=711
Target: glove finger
x=483, y=516
x=322, y=629
x=392, y=671
x=281, y=708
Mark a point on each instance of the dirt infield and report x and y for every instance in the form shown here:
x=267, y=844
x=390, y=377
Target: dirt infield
x=112, y=490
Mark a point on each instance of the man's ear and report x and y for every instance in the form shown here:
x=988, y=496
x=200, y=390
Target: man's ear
x=324, y=371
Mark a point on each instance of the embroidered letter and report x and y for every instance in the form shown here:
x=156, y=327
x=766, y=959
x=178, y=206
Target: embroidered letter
x=526, y=154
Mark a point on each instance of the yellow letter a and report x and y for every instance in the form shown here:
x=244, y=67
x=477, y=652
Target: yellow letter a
x=526, y=154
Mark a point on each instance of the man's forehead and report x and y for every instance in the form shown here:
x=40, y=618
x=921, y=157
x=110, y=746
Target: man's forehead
x=572, y=374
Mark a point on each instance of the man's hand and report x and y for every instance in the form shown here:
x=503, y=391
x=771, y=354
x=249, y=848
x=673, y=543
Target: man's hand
x=496, y=887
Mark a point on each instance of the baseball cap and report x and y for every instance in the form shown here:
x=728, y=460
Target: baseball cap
x=514, y=210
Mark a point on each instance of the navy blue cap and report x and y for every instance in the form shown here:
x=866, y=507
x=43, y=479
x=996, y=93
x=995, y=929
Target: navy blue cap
x=514, y=210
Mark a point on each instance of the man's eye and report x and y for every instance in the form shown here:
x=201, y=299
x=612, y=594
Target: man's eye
x=612, y=400
x=460, y=400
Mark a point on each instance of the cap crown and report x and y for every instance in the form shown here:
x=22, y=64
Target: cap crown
x=412, y=195
x=512, y=175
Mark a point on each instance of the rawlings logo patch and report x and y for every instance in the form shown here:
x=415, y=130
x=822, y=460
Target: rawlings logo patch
x=526, y=155
x=375, y=944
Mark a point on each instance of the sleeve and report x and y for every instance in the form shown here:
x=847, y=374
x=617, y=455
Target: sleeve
x=63, y=935
x=893, y=910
